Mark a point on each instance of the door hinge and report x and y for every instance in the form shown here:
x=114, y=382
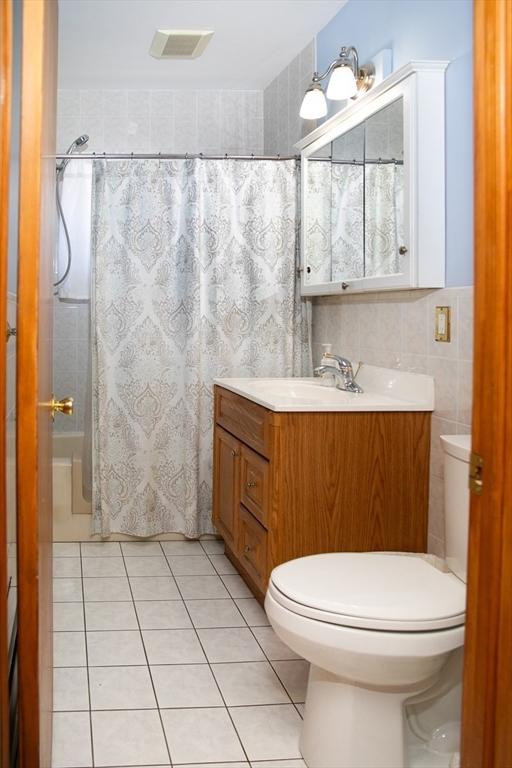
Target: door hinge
x=476, y=467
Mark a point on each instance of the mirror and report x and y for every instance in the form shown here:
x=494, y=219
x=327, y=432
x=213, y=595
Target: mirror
x=354, y=199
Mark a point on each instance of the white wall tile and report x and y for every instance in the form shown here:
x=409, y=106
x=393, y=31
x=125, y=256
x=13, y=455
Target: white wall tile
x=282, y=98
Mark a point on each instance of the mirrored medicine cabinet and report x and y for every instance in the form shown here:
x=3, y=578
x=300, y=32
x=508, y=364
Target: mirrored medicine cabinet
x=373, y=189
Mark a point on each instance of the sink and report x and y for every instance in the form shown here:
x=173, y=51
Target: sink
x=385, y=389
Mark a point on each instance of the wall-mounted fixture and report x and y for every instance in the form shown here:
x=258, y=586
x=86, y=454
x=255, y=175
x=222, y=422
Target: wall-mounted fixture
x=347, y=80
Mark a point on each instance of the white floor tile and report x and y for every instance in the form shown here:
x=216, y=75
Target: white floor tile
x=66, y=549
x=163, y=614
x=68, y=617
x=128, y=738
x=277, y=764
x=294, y=676
x=213, y=546
x=71, y=740
x=154, y=588
x=252, y=612
x=201, y=735
x=221, y=645
x=116, y=615
x=70, y=691
x=275, y=649
x=214, y=613
x=249, y=683
x=236, y=586
x=182, y=548
x=172, y=646
x=222, y=564
x=100, y=549
x=67, y=590
x=137, y=548
x=66, y=567
x=147, y=566
x=196, y=565
x=103, y=566
x=120, y=648
x=121, y=688
x=106, y=589
x=185, y=685
x=201, y=587
x=69, y=649
x=220, y=765
x=268, y=732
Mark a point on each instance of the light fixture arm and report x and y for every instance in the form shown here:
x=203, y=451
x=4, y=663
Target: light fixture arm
x=343, y=59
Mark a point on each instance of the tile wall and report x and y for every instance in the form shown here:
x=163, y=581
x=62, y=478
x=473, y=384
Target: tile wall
x=396, y=330
x=212, y=121
x=70, y=355
x=281, y=104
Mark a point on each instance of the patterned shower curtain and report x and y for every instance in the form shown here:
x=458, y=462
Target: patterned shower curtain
x=384, y=213
x=194, y=277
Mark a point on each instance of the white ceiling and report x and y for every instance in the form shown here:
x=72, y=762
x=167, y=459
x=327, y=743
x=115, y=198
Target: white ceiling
x=105, y=43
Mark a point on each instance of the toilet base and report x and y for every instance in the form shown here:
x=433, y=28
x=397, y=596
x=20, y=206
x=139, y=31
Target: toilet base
x=347, y=726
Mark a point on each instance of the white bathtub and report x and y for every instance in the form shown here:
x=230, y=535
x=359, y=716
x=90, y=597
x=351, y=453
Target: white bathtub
x=71, y=512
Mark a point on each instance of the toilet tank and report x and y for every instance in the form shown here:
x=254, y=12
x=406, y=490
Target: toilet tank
x=457, y=450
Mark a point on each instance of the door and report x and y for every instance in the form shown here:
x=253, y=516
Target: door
x=226, y=481
x=5, y=119
x=487, y=689
x=36, y=244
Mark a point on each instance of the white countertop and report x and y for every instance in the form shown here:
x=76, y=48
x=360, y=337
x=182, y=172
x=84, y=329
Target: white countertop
x=385, y=389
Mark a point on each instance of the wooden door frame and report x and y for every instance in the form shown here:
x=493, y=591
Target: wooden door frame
x=6, y=32
x=37, y=213
x=487, y=689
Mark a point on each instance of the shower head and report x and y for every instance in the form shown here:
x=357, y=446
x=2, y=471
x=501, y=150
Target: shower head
x=83, y=139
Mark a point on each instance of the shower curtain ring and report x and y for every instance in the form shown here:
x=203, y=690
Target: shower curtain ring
x=226, y=156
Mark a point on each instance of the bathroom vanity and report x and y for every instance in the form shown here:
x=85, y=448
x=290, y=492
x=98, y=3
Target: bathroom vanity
x=301, y=468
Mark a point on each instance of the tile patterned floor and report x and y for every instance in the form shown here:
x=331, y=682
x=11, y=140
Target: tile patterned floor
x=162, y=658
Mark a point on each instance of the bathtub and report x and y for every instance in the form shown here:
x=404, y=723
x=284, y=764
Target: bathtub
x=71, y=512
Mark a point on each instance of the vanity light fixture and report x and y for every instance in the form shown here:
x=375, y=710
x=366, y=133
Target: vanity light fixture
x=347, y=80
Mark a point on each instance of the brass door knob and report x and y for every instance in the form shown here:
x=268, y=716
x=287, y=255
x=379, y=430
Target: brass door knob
x=64, y=406
x=251, y=484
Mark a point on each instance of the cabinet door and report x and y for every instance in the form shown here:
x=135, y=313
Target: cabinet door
x=254, y=483
x=226, y=484
x=252, y=548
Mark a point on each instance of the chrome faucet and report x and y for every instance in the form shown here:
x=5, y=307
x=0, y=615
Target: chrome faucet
x=342, y=371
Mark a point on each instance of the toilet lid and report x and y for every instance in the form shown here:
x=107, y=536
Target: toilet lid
x=397, y=592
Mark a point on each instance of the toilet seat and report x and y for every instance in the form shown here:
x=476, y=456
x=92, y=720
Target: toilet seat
x=379, y=591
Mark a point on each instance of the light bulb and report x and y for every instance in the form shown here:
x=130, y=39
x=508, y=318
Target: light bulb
x=342, y=84
x=313, y=104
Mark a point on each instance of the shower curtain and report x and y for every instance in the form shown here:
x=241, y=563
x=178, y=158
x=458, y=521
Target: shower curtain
x=384, y=214
x=194, y=277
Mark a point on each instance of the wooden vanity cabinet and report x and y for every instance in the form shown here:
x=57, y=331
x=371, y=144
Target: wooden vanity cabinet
x=293, y=484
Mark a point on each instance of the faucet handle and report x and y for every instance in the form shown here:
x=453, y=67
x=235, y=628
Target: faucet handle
x=344, y=364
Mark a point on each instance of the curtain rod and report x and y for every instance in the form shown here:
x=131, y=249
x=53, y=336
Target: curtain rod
x=369, y=161
x=163, y=156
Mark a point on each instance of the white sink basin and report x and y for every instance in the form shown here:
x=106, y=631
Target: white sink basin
x=385, y=389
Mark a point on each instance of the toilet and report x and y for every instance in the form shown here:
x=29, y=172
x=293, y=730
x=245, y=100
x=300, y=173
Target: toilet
x=377, y=629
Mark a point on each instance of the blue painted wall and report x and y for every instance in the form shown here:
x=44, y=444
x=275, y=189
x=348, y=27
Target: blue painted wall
x=424, y=29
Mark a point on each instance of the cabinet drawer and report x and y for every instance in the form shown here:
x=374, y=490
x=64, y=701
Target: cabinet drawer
x=252, y=548
x=246, y=420
x=255, y=484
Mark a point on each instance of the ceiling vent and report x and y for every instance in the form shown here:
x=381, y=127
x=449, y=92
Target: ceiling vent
x=179, y=43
